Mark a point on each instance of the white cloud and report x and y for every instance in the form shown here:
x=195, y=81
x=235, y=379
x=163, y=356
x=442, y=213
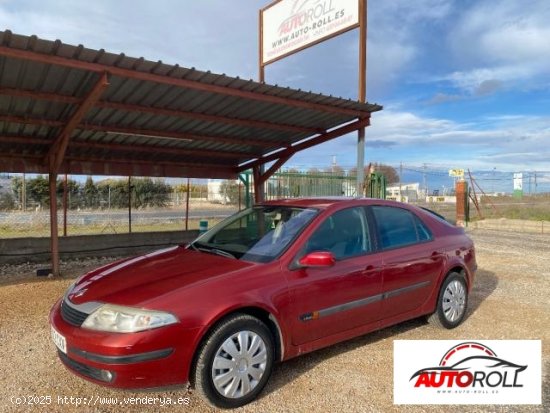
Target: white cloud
x=202, y=34
x=501, y=41
x=504, y=142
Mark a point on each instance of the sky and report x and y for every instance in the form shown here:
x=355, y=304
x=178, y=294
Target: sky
x=464, y=83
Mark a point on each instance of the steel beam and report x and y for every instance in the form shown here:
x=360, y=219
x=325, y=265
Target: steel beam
x=85, y=166
x=54, y=236
x=335, y=133
x=134, y=131
x=198, y=164
x=127, y=148
x=157, y=149
x=23, y=140
x=58, y=148
x=24, y=120
x=249, y=123
x=178, y=135
x=54, y=97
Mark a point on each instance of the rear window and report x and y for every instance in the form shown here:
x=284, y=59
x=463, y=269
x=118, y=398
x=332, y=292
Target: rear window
x=440, y=217
x=398, y=227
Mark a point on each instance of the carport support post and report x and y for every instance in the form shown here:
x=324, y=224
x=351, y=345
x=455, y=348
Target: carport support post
x=362, y=95
x=54, y=239
x=260, y=177
x=187, y=207
x=129, y=204
x=259, y=180
x=65, y=206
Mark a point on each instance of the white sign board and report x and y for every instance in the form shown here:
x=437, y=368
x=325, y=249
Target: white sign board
x=456, y=173
x=290, y=25
x=467, y=372
x=518, y=181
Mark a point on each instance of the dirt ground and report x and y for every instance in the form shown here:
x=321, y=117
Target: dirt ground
x=509, y=301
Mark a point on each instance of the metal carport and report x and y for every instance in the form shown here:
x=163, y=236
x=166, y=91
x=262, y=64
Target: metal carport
x=70, y=109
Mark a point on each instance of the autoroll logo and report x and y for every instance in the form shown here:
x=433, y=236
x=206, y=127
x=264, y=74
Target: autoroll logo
x=470, y=365
x=468, y=372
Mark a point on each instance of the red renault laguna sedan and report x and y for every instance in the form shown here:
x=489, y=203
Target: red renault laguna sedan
x=267, y=284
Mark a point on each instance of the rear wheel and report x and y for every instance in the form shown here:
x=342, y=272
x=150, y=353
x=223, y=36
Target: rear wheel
x=235, y=362
x=451, y=303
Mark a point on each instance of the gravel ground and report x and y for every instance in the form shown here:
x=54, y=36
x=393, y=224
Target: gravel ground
x=509, y=301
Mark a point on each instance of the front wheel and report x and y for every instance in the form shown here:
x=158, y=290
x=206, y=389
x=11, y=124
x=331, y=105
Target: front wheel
x=452, y=302
x=235, y=362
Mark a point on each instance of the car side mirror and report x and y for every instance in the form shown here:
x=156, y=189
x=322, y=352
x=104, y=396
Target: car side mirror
x=317, y=259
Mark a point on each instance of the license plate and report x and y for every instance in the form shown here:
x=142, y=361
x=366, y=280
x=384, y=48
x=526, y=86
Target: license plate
x=59, y=341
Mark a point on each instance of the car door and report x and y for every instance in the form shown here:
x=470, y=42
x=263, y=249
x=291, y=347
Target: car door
x=334, y=299
x=412, y=264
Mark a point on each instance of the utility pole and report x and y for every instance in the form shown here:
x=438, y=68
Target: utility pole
x=424, y=181
x=400, y=179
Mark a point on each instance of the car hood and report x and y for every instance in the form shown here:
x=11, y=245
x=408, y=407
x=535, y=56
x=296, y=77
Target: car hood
x=138, y=280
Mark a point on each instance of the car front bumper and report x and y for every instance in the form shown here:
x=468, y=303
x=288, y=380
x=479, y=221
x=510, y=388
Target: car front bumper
x=148, y=359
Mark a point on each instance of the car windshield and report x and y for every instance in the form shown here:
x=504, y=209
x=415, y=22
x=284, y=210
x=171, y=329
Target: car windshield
x=258, y=234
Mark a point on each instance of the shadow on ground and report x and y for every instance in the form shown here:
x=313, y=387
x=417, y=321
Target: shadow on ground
x=485, y=284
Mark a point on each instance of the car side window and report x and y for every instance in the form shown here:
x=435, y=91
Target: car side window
x=344, y=233
x=424, y=234
x=398, y=227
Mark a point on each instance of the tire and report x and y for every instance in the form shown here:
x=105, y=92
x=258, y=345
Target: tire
x=241, y=372
x=452, y=302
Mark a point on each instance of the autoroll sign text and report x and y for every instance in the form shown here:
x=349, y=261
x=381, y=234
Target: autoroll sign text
x=289, y=25
x=467, y=372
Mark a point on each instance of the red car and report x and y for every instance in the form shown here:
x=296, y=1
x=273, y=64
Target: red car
x=267, y=284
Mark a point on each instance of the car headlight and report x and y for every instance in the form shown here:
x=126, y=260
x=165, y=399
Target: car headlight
x=119, y=319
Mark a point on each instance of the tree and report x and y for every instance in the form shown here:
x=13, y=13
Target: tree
x=74, y=193
x=113, y=193
x=150, y=193
x=38, y=190
x=145, y=193
x=90, y=194
x=17, y=186
x=7, y=201
x=229, y=189
x=388, y=171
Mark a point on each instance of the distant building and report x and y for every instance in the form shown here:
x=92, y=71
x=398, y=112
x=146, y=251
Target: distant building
x=216, y=194
x=404, y=192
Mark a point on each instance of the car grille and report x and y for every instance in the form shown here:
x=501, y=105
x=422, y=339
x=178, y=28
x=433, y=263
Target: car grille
x=85, y=370
x=72, y=315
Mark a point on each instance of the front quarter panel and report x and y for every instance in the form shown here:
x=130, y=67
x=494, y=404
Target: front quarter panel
x=261, y=287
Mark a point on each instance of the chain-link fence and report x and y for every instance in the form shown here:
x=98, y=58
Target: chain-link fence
x=89, y=205
x=97, y=205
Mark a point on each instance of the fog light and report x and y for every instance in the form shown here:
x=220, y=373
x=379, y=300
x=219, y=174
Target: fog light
x=106, y=375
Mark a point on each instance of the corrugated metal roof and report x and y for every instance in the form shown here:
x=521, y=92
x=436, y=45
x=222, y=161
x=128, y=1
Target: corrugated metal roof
x=152, y=118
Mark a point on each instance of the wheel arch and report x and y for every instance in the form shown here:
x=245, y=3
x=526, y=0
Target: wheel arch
x=458, y=268
x=264, y=315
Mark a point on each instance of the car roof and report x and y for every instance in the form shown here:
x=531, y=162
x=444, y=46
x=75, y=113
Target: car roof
x=326, y=202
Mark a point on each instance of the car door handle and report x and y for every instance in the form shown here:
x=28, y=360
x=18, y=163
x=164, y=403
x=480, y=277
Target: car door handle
x=370, y=270
x=435, y=255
